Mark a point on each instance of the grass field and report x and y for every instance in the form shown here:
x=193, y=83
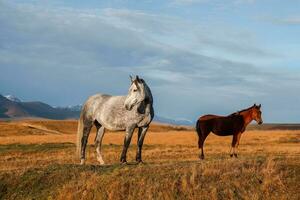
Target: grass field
x=37, y=161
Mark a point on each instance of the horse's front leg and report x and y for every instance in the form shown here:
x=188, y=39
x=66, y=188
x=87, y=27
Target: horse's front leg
x=235, y=142
x=127, y=140
x=141, y=135
x=233, y=145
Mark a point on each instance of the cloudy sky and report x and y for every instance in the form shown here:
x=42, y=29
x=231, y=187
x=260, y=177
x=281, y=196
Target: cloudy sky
x=198, y=56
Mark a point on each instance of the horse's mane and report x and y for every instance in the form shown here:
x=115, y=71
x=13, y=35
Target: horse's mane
x=239, y=111
x=149, y=93
x=147, y=101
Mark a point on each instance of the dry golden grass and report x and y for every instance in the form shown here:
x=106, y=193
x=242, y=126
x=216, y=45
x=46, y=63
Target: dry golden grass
x=37, y=160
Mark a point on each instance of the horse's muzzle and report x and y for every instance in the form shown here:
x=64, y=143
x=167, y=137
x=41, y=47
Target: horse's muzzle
x=260, y=122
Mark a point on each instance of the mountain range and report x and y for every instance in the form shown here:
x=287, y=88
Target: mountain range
x=13, y=107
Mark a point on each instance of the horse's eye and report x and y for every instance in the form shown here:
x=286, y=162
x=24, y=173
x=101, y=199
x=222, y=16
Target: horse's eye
x=135, y=90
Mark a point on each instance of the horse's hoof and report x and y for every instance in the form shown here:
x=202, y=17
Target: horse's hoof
x=101, y=163
x=139, y=162
x=138, y=159
x=235, y=155
x=231, y=155
x=201, y=157
x=123, y=161
x=82, y=161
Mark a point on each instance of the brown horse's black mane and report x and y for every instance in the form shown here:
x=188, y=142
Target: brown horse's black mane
x=239, y=111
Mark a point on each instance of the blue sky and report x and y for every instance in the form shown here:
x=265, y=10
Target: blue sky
x=198, y=56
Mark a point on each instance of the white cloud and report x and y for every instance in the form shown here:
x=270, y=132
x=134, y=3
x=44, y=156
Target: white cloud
x=188, y=2
x=292, y=20
x=244, y=1
x=216, y=2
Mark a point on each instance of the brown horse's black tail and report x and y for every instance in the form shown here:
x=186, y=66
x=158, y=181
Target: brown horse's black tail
x=198, y=129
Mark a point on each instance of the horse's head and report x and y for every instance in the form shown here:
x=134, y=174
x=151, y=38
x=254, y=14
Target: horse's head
x=256, y=113
x=137, y=93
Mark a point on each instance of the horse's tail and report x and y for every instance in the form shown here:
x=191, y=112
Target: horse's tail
x=198, y=129
x=79, y=135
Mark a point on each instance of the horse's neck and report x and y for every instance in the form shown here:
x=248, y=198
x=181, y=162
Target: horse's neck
x=247, y=115
x=145, y=114
x=144, y=108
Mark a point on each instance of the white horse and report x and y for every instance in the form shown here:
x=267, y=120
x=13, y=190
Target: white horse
x=116, y=113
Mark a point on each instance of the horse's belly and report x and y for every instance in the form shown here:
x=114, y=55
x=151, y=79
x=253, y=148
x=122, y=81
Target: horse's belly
x=223, y=129
x=114, y=123
x=223, y=133
x=114, y=126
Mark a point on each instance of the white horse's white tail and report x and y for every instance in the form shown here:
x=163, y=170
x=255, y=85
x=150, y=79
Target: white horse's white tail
x=79, y=135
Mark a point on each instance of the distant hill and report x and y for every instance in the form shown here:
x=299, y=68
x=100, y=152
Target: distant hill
x=19, y=109
x=173, y=121
x=10, y=109
x=270, y=126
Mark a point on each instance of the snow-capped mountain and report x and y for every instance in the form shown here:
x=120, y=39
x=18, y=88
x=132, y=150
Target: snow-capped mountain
x=12, y=98
x=173, y=121
x=76, y=108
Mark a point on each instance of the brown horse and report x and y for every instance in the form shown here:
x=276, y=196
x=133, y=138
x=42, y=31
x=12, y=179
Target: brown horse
x=233, y=124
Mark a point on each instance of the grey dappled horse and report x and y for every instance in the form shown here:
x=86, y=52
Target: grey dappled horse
x=116, y=113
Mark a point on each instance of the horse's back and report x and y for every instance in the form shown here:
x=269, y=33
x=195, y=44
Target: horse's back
x=92, y=103
x=98, y=96
x=208, y=117
x=96, y=99
x=205, y=122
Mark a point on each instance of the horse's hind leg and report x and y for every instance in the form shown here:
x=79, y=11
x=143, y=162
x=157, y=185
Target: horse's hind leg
x=86, y=131
x=98, y=142
x=202, y=144
x=237, y=144
x=202, y=134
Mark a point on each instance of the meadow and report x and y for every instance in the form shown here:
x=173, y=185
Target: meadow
x=37, y=161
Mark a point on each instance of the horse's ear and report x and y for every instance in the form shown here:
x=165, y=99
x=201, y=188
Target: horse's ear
x=136, y=83
x=137, y=78
x=131, y=79
x=254, y=105
x=259, y=106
